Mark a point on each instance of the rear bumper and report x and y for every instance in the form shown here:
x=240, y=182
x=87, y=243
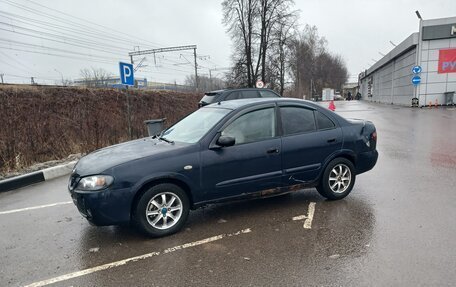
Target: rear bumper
x=106, y=207
x=366, y=161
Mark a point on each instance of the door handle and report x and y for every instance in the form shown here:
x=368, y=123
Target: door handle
x=273, y=150
x=331, y=140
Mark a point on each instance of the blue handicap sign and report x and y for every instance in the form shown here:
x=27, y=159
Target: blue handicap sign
x=126, y=74
x=416, y=80
x=416, y=69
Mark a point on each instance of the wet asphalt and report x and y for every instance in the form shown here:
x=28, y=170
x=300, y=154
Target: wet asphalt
x=396, y=228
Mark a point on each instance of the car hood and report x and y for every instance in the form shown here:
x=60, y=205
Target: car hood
x=105, y=158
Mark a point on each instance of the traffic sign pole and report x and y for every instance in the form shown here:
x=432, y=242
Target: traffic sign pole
x=127, y=78
x=416, y=80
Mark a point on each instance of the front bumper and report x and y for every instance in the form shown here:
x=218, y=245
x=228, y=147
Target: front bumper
x=105, y=207
x=366, y=161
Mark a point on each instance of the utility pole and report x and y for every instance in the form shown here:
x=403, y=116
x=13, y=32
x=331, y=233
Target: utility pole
x=196, y=70
x=1, y=75
x=310, y=97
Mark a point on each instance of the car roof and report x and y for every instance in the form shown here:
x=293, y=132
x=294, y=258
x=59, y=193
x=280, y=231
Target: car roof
x=237, y=89
x=236, y=104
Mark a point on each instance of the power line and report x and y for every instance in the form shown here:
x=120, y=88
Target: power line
x=19, y=62
x=17, y=68
x=54, y=49
x=93, y=23
x=62, y=42
x=88, y=33
x=59, y=55
x=60, y=35
x=64, y=20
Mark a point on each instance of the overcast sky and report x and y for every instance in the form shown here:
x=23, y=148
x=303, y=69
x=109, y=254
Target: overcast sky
x=357, y=30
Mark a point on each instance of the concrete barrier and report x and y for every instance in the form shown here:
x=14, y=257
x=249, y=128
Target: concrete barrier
x=36, y=176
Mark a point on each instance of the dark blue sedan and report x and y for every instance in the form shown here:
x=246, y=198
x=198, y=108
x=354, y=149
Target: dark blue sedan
x=224, y=151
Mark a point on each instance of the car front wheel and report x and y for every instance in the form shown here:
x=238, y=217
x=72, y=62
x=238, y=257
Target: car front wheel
x=161, y=210
x=337, y=180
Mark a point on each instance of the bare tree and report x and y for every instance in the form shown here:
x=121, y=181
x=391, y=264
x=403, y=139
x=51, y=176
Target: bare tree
x=284, y=34
x=312, y=67
x=239, y=16
x=251, y=24
x=205, y=83
x=95, y=77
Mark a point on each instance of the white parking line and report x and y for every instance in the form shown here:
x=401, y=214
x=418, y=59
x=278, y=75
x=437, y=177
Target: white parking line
x=136, y=258
x=308, y=218
x=34, y=207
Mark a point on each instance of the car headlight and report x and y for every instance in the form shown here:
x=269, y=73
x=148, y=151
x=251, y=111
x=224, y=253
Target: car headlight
x=95, y=182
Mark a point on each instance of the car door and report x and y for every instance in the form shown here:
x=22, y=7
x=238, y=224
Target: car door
x=309, y=138
x=253, y=163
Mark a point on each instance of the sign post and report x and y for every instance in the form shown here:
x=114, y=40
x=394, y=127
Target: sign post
x=416, y=80
x=127, y=78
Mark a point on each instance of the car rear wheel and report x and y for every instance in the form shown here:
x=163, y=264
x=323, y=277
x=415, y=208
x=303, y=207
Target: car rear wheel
x=338, y=179
x=161, y=210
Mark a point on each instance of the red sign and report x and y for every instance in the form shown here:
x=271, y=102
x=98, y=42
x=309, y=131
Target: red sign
x=447, y=61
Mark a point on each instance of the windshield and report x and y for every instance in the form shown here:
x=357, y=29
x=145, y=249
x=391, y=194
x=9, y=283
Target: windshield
x=208, y=98
x=193, y=127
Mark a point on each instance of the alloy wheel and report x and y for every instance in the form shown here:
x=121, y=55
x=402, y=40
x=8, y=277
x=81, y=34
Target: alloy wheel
x=164, y=210
x=339, y=178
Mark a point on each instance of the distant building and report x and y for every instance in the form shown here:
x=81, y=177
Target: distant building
x=112, y=82
x=350, y=87
x=433, y=49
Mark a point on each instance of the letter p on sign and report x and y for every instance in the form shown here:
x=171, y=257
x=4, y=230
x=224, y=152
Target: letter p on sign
x=126, y=74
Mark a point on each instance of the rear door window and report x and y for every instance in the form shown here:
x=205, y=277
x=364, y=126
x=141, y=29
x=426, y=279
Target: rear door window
x=296, y=120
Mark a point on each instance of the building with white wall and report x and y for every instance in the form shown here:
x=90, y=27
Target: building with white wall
x=433, y=48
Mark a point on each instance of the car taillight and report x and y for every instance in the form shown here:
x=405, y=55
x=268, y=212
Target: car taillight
x=374, y=136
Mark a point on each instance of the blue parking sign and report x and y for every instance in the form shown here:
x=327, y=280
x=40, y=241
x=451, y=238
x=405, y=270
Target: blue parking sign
x=126, y=74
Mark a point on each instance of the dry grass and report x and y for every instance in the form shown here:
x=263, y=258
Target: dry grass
x=47, y=123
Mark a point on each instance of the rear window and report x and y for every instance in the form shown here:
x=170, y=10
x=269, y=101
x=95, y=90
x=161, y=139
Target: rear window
x=249, y=94
x=268, y=94
x=233, y=96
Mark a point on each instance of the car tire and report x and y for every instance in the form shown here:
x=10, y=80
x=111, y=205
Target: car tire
x=162, y=210
x=337, y=180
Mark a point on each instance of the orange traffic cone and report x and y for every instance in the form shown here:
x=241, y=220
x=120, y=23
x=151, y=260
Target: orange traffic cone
x=332, y=107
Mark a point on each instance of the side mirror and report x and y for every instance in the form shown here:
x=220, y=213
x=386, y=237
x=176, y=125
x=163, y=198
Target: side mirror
x=224, y=141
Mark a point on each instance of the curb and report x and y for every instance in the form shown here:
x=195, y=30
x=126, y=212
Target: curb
x=36, y=176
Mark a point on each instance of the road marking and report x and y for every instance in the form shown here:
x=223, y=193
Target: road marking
x=308, y=218
x=134, y=259
x=35, y=207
